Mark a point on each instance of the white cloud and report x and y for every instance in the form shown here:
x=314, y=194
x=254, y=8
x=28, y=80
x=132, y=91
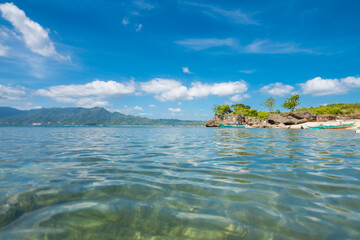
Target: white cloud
x=258, y=46
x=238, y=97
x=172, y=90
x=125, y=21
x=96, y=88
x=174, y=110
x=137, y=108
x=152, y=105
x=138, y=27
x=186, y=70
x=205, y=43
x=247, y=71
x=91, y=102
x=268, y=46
x=236, y=16
x=320, y=87
x=27, y=106
x=3, y=50
x=277, y=89
x=351, y=82
x=11, y=93
x=143, y=5
x=36, y=38
x=88, y=95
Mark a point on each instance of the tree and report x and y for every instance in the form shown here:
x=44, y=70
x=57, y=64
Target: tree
x=269, y=103
x=222, y=109
x=292, y=102
x=240, y=105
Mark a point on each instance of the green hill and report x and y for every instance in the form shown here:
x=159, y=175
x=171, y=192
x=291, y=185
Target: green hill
x=80, y=117
x=8, y=112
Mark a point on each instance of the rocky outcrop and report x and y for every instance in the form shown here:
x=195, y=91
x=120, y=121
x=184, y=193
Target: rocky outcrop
x=291, y=118
x=275, y=120
x=228, y=119
x=212, y=123
x=326, y=117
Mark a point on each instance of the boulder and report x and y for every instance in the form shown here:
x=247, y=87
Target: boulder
x=308, y=116
x=283, y=118
x=326, y=117
x=212, y=123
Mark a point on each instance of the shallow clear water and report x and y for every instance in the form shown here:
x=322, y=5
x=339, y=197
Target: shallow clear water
x=178, y=183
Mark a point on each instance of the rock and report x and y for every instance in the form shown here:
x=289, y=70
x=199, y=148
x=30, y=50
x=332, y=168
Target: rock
x=308, y=116
x=291, y=118
x=354, y=116
x=212, y=123
x=284, y=118
x=326, y=117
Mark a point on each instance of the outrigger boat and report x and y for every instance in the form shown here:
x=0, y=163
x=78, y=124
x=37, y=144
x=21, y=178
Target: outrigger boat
x=341, y=126
x=232, y=126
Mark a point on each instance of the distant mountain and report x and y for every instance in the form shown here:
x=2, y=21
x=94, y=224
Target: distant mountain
x=80, y=117
x=8, y=112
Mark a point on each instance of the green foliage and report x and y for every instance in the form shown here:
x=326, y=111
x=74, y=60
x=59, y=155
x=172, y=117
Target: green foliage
x=240, y=105
x=269, y=103
x=250, y=113
x=222, y=109
x=292, y=102
x=335, y=108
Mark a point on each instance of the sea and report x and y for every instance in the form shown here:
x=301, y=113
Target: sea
x=157, y=183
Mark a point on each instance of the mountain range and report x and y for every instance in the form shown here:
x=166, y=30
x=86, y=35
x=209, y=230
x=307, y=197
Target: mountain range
x=81, y=117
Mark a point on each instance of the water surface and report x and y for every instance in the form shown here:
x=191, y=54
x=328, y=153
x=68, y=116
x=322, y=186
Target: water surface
x=178, y=183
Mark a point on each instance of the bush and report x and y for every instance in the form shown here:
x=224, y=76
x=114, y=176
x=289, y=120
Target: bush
x=222, y=109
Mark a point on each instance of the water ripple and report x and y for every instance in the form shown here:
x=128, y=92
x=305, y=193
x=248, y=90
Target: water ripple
x=178, y=183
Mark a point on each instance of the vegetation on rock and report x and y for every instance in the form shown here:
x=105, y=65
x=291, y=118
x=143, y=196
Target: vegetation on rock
x=269, y=103
x=292, y=102
x=335, y=108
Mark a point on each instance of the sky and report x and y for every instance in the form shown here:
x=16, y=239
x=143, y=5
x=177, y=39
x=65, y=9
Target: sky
x=177, y=58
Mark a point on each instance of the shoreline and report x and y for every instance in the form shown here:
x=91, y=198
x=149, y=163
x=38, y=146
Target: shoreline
x=356, y=125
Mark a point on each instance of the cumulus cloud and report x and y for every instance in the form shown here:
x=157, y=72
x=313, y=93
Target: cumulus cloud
x=277, y=89
x=172, y=90
x=186, y=70
x=88, y=95
x=137, y=108
x=205, y=43
x=11, y=93
x=238, y=97
x=128, y=110
x=96, y=88
x=152, y=105
x=3, y=50
x=36, y=38
x=321, y=87
x=174, y=110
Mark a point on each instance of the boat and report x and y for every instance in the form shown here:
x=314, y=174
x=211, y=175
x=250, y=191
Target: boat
x=232, y=126
x=341, y=126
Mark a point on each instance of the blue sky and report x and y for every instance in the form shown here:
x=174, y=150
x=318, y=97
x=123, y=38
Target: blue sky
x=177, y=58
